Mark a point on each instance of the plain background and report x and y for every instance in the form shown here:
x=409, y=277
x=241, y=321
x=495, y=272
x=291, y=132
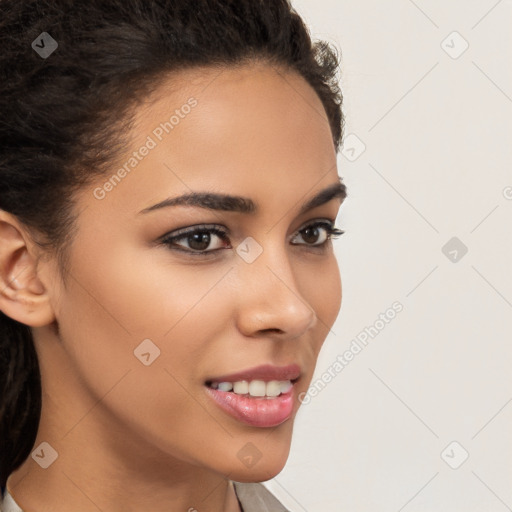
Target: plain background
x=436, y=124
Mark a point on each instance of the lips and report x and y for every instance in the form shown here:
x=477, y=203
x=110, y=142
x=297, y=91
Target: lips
x=266, y=372
x=263, y=396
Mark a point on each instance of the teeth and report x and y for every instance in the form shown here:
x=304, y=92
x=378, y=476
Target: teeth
x=225, y=386
x=241, y=387
x=256, y=388
x=286, y=385
x=273, y=388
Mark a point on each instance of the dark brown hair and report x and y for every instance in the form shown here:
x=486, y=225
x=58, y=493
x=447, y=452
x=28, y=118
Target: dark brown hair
x=66, y=116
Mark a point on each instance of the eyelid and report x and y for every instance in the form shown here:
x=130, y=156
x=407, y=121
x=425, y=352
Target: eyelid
x=197, y=227
x=194, y=227
x=315, y=220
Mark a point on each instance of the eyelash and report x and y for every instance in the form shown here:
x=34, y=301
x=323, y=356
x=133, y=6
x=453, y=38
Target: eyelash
x=332, y=232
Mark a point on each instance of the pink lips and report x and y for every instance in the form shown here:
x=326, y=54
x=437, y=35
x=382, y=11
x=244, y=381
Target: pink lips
x=264, y=372
x=257, y=411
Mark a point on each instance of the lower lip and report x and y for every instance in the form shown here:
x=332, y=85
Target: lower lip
x=255, y=411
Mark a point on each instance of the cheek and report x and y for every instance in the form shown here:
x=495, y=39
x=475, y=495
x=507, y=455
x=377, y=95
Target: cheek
x=102, y=325
x=118, y=309
x=144, y=292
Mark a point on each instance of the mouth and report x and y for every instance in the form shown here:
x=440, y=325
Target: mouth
x=254, y=388
x=259, y=397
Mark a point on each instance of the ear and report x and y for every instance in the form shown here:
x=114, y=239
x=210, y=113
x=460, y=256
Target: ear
x=23, y=297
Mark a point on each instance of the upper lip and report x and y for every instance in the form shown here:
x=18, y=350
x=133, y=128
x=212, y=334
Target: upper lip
x=265, y=372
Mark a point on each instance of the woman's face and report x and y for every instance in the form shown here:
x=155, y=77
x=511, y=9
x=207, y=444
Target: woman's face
x=144, y=323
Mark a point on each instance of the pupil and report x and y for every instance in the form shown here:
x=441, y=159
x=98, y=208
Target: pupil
x=199, y=241
x=307, y=234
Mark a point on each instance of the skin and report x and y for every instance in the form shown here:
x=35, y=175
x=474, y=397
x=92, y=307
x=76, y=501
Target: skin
x=132, y=437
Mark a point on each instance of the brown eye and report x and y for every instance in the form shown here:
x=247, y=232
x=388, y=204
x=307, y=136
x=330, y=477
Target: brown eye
x=318, y=234
x=198, y=240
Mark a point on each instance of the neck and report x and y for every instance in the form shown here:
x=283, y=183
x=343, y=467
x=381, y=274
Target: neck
x=82, y=486
x=102, y=466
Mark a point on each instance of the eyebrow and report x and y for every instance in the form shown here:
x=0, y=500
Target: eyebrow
x=228, y=203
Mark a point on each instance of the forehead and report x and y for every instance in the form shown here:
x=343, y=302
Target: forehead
x=232, y=130
x=254, y=103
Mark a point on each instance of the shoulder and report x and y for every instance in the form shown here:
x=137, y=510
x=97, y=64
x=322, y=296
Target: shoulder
x=255, y=497
x=7, y=503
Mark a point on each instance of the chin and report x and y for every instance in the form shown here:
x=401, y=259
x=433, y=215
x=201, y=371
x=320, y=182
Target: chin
x=270, y=463
x=259, y=473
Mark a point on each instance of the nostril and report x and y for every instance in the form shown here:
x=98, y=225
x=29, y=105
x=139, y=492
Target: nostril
x=276, y=331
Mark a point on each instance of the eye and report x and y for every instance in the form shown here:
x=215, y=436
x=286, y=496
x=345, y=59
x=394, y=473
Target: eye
x=311, y=233
x=199, y=239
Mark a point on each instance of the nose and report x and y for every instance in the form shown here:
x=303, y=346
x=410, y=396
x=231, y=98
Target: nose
x=270, y=299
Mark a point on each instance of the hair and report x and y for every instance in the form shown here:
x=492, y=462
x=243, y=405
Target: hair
x=66, y=117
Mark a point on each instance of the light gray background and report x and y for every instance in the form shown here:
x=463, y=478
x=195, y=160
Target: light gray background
x=437, y=165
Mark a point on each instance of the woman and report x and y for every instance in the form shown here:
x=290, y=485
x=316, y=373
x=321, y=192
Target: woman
x=168, y=192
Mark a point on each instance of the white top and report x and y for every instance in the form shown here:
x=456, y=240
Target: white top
x=253, y=497
x=8, y=504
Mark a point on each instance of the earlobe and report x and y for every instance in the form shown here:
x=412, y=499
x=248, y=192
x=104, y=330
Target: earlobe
x=23, y=297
